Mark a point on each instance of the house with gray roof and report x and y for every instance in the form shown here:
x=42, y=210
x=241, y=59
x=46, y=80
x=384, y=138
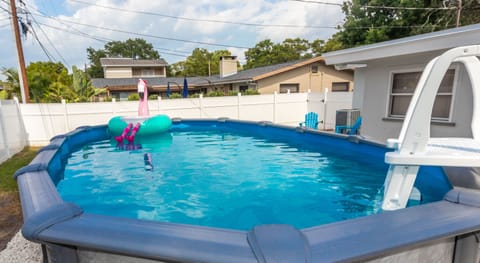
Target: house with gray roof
x=290, y=77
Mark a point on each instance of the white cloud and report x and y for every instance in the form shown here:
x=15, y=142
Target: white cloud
x=71, y=40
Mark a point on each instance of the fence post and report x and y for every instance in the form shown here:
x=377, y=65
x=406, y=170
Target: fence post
x=200, y=103
x=3, y=129
x=21, y=122
x=239, y=96
x=65, y=115
x=113, y=106
x=274, y=106
x=325, y=100
x=159, y=99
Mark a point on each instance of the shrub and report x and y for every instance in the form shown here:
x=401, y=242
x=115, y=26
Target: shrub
x=133, y=96
x=215, y=94
x=232, y=93
x=175, y=96
x=251, y=92
x=153, y=97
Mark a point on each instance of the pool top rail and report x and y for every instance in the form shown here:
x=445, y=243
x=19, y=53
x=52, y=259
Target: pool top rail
x=50, y=220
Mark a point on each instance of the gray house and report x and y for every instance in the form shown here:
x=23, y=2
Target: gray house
x=386, y=75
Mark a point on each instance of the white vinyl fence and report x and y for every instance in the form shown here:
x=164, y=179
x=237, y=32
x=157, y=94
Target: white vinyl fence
x=13, y=137
x=43, y=121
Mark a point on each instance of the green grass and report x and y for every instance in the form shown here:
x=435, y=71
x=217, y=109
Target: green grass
x=8, y=168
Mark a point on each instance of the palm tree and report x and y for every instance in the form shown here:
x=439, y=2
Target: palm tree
x=13, y=82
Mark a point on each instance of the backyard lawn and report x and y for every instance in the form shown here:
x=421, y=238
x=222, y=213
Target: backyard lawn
x=10, y=210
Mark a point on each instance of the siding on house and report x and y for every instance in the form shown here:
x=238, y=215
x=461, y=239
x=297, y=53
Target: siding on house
x=120, y=72
x=316, y=82
x=375, y=65
x=372, y=94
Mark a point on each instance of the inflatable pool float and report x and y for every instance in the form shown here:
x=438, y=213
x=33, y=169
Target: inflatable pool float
x=130, y=127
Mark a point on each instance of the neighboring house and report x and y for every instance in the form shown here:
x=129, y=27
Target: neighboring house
x=386, y=75
x=296, y=76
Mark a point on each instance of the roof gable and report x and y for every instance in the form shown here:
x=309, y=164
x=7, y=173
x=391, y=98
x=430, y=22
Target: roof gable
x=268, y=71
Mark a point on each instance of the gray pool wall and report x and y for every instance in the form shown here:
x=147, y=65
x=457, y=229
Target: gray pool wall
x=442, y=231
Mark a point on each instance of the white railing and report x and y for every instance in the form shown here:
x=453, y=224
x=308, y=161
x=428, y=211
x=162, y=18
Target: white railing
x=43, y=121
x=12, y=131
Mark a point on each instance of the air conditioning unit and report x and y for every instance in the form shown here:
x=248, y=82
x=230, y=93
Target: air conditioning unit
x=346, y=117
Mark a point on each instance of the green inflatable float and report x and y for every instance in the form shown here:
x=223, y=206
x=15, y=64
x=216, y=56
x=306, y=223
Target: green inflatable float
x=130, y=127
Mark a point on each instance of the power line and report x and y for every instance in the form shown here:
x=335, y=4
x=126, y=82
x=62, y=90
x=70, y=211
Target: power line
x=173, y=50
x=60, y=22
x=104, y=40
x=376, y=6
x=147, y=35
x=48, y=39
x=77, y=32
x=201, y=20
x=408, y=8
x=317, y=2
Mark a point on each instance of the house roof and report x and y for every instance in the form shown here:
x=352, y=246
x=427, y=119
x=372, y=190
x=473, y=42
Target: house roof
x=241, y=76
x=440, y=40
x=153, y=82
x=255, y=74
x=121, y=62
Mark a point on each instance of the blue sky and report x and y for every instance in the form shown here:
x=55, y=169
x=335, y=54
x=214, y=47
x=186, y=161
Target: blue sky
x=67, y=28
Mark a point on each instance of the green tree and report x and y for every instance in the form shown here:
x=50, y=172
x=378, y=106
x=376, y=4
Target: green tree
x=95, y=70
x=268, y=53
x=12, y=83
x=203, y=63
x=368, y=21
x=130, y=48
x=176, y=69
x=83, y=90
x=47, y=81
x=215, y=60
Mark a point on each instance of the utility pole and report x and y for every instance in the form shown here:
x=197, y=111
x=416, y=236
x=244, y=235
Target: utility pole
x=22, y=74
x=459, y=12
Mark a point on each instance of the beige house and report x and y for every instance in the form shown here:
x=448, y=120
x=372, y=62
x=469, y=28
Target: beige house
x=296, y=76
x=133, y=68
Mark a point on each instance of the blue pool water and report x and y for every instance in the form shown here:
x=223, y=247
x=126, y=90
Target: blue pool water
x=214, y=175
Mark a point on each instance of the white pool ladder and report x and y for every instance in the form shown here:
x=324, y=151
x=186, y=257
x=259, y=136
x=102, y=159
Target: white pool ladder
x=414, y=147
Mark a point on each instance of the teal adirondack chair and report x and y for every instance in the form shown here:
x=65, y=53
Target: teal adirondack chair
x=311, y=121
x=350, y=130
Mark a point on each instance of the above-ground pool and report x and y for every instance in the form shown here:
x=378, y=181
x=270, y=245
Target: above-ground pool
x=231, y=175
x=309, y=196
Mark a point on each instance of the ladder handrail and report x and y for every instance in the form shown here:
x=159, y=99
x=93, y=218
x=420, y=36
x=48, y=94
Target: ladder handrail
x=415, y=133
x=416, y=128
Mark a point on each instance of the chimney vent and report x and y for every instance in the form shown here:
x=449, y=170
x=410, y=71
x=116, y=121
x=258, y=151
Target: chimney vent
x=228, y=66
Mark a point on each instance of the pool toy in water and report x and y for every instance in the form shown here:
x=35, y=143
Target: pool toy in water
x=147, y=159
x=129, y=128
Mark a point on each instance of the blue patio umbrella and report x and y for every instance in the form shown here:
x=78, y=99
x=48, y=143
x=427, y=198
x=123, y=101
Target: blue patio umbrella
x=185, y=88
x=168, y=90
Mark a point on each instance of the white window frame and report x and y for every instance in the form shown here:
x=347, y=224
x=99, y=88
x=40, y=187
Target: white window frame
x=341, y=82
x=285, y=86
x=420, y=70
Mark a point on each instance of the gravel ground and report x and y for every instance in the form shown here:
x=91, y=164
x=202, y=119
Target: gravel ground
x=20, y=250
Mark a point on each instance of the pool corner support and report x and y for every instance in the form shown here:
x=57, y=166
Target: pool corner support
x=270, y=243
